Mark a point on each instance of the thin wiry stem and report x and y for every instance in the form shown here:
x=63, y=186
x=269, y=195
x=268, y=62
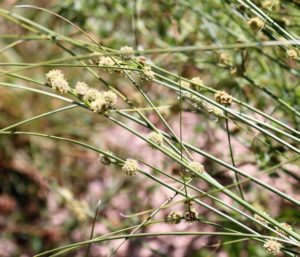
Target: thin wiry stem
x=232, y=160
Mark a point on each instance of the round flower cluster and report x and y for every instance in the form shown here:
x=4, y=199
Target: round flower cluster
x=272, y=247
x=110, y=98
x=173, y=218
x=191, y=215
x=224, y=59
x=292, y=54
x=81, y=89
x=104, y=101
x=147, y=74
x=105, y=61
x=197, y=84
x=56, y=79
x=196, y=166
x=100, y=101
x=91, y=94
x=98, y=105
x=127, y=53
x=156, y=138
x=256, y=24
x=130, y=167
x=223, y=97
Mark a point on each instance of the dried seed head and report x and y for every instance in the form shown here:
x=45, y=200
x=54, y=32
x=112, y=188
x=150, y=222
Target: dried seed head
x=173, y=218
x=197, y=84
x=223, y=97
x=156, y=138
x=110, y=98
x=106, y=160
x=142, y=60
x=272, y=247
x=147, y=74
x=191, y=215
x=292, y=54
x=286, y=226
x=261, y=219
x=237, y=71
x=130, y=167
x=91, y=94
x=81, y=88
x=196, y=166
x=256, y=24
x=127, y=52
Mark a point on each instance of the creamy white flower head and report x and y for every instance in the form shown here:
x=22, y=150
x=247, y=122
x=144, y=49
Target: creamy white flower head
x=292, y=54
x=130, y=167
x=55, y=78
x=105, y=61
x=224, y=58
x=197, y=166
x=126, y=52
x=197, y=80
x=98, y=105
x=272, y=247
x=197, y=84
x=60, y=85
x=110, y=98
x=156, y=138
x=91, y=94
x=81, y=88
x=54, y=74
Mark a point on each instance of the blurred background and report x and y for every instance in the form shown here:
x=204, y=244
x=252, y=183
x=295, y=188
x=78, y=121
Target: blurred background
x=49, y=190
